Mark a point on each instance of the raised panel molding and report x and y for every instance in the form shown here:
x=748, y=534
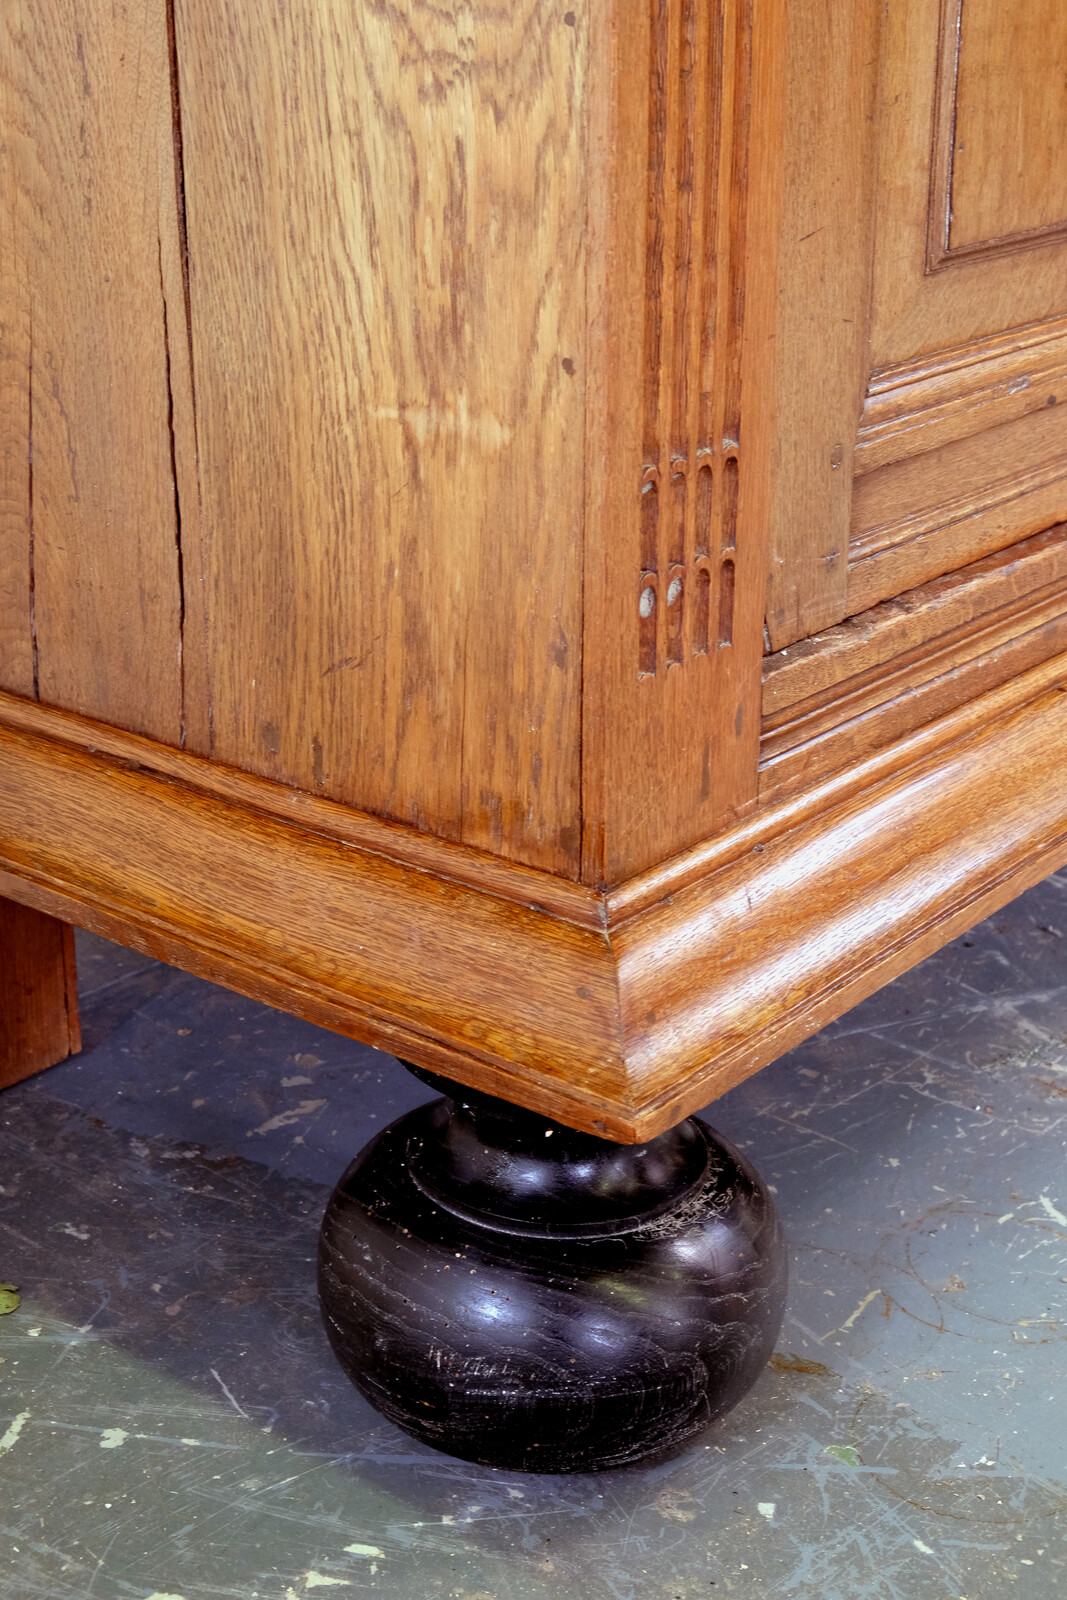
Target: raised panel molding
x=947, y=178
x=914, y=406
x=860, y=686
x=880, y=639
x=958, y=454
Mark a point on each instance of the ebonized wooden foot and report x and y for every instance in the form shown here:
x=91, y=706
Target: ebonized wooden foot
x=533, y=1298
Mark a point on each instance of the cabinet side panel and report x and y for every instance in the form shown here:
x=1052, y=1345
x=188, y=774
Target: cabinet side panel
x=90, y=565
x=386, y=250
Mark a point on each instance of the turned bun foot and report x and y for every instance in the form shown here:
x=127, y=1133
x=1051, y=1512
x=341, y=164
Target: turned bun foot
x=529, y=1297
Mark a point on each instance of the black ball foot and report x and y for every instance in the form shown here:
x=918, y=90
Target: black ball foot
x=529, y=1297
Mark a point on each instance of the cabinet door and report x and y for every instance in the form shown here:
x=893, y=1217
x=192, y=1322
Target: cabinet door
x=922, y=398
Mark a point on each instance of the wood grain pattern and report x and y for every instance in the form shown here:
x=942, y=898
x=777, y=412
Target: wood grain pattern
x=455, y=367
x=779, y=816
x=735, y=971
x=889, y=632
x=422, y=852
x=824, y=293
x=915, y=311
x=621, y=1032
x=875, y=708
x=683, y=177
x=1001, y=176
x=38, y=992
x=917, y=518
x=18, y=666
x=912, y=436
x=385, y=209
x=452, y=977
x=90, y=591
x=917, y=406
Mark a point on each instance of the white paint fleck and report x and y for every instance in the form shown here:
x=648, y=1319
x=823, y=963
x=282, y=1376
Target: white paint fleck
x=285, y=1118
x=111, y=1438
x=34, y=1333
x=860, y=1309
x=1052, y=1211
x=364, y=1550
x=516, y=1494
x=766, y=1509
x=893, y=1162
x=923, y=1549
x=319, y=1580
x=157, y=1594
x=1005, y=1218
x=15, y=1427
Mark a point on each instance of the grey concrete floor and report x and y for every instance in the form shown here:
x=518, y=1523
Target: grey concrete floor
x=173, y=1425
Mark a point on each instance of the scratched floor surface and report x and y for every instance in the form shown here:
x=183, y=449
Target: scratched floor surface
x=172, y=1423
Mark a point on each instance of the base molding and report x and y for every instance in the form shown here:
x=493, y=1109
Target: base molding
x=619, y=1025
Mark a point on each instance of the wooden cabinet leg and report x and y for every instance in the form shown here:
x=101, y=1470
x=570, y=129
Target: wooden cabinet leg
x=542, y=1300
x=38, y=992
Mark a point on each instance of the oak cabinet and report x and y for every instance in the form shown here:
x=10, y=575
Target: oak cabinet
x=533, y=534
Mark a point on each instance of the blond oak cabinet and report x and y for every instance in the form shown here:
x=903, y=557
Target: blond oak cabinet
x=533, y=534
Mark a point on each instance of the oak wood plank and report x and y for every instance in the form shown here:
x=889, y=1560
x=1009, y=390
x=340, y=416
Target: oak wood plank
x=90, y=510
x=930, y=514
x=780, y=816
x=390, y=953
x=385, y=211
x=38, y=992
